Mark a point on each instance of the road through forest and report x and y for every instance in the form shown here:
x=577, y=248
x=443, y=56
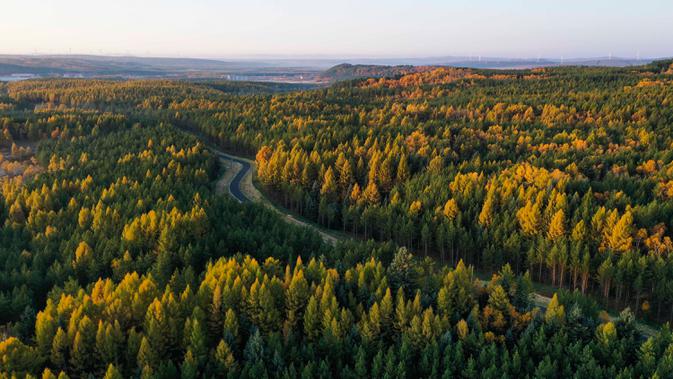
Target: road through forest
x=237, y=182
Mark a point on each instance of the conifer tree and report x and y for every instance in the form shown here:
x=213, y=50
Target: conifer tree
x=555, y=311
x=620, y=239
x=224, y=358
x=312, y=319
x=371, y=194
x=529, y=218
x=402, y=170
x=329, y=185
x=83, y=347
x=556, y=226
x=488, y=209
x=59, y=349
x=112, y=373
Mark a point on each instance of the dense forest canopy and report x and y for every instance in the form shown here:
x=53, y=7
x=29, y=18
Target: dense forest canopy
x=118, y=259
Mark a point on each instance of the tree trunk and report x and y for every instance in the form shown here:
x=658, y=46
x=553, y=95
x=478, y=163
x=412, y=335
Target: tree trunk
x=518, y=262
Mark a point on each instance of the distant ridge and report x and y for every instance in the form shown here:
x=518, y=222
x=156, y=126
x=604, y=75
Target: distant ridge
x=266, y=69
x=347, y=71
x=89, y=66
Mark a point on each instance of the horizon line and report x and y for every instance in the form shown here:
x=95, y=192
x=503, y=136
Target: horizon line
x=261, y=56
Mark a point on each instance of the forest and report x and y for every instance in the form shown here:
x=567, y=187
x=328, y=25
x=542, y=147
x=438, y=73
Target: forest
x=119, y=259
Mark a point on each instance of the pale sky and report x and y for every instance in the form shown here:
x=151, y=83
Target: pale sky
x=342, y=28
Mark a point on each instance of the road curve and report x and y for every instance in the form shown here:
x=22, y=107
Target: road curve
x=235, y=184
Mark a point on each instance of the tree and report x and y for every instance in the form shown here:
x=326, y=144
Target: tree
x=426, y=236
x=386, y=175
x=462, y=329
x=59, y=349
x=355, y=193
x=579, y=232
x=16, y=213
x=112, y=373
x=386, y=312
x=297, y=296
x=198, y=344
x=147, y=357
x=555, y=311
x=401, y=269
x=254, y=349
x=224, y=358
x=556, y=226
x=459, y=288
x=436, y=165
x=361, y=363
x=488, y=209
x=159, y=331
x=189, y=367
x=47, y=374
x=83, y=347
x=401, y=313
x=402, y=170
x=620, y=239
x=450, y=210
x=529, y=218
x=312, y=319
x=107, y=342
x=230, y=330
x=371, y=194
x=45, y=330
x=216, y=315
x=345, y=175
x=370, y=327
x=329, y=185
x=496, y=313
x=605, y=275
x=83, y=256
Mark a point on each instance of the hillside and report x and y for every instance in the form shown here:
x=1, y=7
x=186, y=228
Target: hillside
x=347, y=71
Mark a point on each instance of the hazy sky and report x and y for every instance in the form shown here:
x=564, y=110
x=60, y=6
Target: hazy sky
x=343, y=28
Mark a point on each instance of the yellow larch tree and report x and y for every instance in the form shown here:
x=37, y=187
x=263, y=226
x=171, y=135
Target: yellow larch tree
x=557, y=226
x=620, y=237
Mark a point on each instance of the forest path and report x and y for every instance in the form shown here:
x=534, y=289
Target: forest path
x=237, y=181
